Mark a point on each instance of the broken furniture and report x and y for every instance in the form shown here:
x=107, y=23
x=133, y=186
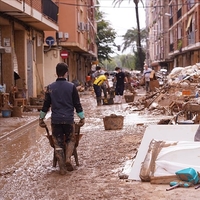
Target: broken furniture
x=183, y=134
x=20, y=102
x=18, y=97
x=35, y=103
x=5, y=105
x=4, y=99
x=190, y=113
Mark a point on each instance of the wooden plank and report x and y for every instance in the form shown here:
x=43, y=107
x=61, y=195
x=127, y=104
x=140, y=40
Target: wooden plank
x=32, y=107
x=163, y=179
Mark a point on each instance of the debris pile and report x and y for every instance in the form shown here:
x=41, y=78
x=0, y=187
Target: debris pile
x=180, y=93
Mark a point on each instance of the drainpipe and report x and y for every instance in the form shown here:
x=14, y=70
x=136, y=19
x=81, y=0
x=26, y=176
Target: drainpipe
x=23, y=5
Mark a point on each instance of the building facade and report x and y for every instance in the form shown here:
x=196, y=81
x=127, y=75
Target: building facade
x=22, y=25
x=174, y=32
x=74, y=42
x=37, y=34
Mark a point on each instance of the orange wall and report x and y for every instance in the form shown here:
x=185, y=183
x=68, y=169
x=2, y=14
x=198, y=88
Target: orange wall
x=68, y=20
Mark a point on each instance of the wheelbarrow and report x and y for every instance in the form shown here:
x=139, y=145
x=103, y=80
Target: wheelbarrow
x=75, y=154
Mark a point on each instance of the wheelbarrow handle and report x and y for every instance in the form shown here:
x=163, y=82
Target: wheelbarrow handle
x=49, y=137
x=197, y=187
x=47, y=130
x=173, y=187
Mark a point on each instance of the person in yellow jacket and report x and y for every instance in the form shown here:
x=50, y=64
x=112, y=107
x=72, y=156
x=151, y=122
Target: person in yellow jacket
x=97, y=86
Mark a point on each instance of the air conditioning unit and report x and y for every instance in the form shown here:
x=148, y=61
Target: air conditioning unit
x=66, y=35
x=81, y=26
x=87, y=26
x=59, y=35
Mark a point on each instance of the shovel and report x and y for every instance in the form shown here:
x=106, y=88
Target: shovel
x=175, y=184
x=173, y=187
x=49, y=137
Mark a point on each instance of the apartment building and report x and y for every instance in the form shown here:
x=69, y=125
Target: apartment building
x=174, y=32
x=22, y=25
x=74, y=42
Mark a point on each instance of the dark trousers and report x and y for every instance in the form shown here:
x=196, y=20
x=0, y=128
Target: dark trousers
x=119, y=90
x=62, y=134
x=97, y=90
x=147, y=86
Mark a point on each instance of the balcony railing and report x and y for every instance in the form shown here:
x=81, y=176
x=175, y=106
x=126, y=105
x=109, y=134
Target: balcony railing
x=50, y=9
x=191, y=38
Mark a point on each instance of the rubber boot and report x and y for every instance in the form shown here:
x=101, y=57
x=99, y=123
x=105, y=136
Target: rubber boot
x=98, y=101
x=116, y=99
x=61, y=160
x=69, y=151
x=120, y=99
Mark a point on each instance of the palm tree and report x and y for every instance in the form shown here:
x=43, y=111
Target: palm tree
x=139, y=47
x=131, y=37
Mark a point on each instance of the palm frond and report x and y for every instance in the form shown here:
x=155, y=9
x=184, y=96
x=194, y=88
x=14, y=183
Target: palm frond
x=115, y=2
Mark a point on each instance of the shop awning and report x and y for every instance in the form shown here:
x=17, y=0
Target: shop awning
x=189, y=22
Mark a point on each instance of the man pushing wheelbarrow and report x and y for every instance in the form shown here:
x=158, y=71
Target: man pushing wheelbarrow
x=62, y=97
x=78, y=137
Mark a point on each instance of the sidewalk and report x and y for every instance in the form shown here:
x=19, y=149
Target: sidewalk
x=11, y=124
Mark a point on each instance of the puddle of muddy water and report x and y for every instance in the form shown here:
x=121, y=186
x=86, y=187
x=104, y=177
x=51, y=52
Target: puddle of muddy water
x=18, y=147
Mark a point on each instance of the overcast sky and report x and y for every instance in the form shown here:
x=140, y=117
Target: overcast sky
x=122, y=18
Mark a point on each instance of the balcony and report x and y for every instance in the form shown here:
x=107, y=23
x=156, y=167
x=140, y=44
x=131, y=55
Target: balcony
x=50, y=9
x=41, y=15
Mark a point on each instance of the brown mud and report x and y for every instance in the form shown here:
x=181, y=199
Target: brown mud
x=26, y=170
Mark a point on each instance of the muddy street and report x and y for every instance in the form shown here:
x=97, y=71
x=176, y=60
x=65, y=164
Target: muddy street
x=26, y=170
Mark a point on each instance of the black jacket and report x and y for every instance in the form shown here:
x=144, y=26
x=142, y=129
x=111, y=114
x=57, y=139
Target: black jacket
x=62, y=96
